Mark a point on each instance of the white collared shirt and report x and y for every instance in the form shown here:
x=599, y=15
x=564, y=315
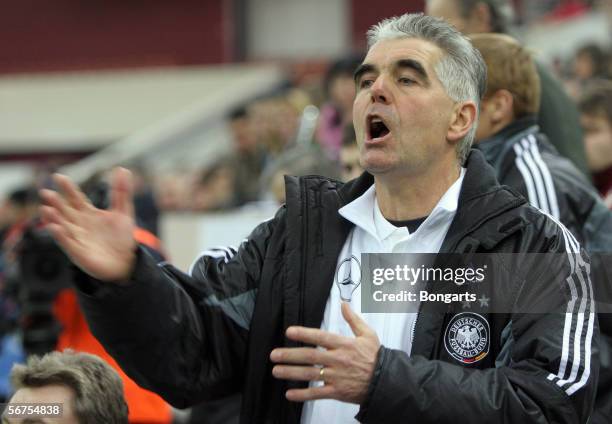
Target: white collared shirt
x=374, y=234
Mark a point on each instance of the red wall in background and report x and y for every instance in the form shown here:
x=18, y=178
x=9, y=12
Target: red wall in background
x=95, y=34
x=365, y=13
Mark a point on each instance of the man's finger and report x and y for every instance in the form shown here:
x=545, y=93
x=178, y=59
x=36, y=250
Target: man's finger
x=301, y=355
x=358, y=325
x=122, y=192
x=316, y=337
x=312, y=393
x=57, y=202
x=68, y=231
x=298, y=373
x=73, y=194
x=61, y=235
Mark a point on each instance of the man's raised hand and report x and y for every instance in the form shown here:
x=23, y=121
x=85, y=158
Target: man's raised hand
x=100, y=242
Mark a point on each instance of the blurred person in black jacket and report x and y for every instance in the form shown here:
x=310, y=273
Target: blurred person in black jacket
x=524, y=160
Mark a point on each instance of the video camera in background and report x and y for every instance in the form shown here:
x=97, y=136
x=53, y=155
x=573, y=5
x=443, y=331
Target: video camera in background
x=41, y=271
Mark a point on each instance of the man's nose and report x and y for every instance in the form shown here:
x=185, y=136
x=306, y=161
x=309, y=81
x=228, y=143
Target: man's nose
x=379, y=90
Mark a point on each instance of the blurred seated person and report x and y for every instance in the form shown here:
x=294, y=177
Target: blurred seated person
x=17, y=210
x=89, y=391
x=596, y=117
x=145, y=203
x=20, y=208
x=337, y=112
x=349, y=155
x=248, y=160
x=298, y=161
x=590, y=62
x=214, y=190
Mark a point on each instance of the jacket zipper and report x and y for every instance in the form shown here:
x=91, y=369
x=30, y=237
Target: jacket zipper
x=465, y=233
x=304, y=253
x=413, y=330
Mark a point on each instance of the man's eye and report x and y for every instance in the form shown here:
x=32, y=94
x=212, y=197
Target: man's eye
x=406, y=81
x=366, y=83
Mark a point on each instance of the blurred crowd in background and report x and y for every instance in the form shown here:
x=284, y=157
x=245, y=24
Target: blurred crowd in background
x=302, y=127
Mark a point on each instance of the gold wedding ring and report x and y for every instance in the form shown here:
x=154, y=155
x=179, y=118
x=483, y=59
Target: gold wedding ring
x=322, y=374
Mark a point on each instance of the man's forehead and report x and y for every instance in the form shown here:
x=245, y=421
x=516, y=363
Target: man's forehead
x=388, y=52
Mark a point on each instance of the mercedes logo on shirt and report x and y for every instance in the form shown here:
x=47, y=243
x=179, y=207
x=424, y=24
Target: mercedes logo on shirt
x=348, y=277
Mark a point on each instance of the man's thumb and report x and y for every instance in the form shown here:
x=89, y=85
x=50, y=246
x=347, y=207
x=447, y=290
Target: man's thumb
x=358, y=325
x=122, y=192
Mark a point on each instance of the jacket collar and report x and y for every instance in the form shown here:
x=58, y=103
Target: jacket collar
x=493, y=147
x=481, y=199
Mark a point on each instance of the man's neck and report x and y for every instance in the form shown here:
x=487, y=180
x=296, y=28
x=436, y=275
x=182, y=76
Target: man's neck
x=414, y=196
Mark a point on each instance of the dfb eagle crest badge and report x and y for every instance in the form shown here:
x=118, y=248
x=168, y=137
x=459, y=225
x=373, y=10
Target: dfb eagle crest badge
x=467, y=337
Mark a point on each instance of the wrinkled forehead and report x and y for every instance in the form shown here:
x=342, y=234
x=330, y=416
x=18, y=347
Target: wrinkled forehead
x=386, y=53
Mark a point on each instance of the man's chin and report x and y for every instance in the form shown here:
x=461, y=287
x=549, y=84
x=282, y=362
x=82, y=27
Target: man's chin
x=379, y=168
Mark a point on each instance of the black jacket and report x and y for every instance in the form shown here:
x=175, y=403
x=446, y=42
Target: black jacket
x=522, y=157
x=191, y=338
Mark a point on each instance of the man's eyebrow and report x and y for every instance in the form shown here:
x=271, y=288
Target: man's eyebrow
x=414, y=65
x=363, y=69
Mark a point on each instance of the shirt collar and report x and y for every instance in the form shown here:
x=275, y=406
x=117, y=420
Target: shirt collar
x=365, y=213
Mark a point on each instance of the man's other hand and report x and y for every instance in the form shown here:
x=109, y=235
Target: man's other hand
x=100, y=242
x=347, y=363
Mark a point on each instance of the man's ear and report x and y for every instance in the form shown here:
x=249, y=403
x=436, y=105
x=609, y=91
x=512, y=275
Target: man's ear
x=462, y=120
x=502, y=107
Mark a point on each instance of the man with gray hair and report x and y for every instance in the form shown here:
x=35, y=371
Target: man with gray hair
x=284, y=318
x=66, y=388
x=558, y=116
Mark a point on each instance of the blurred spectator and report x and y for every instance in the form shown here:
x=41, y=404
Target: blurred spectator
x=215, y=188
x=17, y=211
x=337, y=112
x=275, y=121
x=89, y=391
x=511, y=140
x=558, y=117
x=590, y=62
x=145, y=203
x=596, y=115
x=249, y=158
x=298, y=161
x=349, y=155
x=145, y=407
x=173, y=190
x=474, y=16
x=525, y=161
x=21, y=207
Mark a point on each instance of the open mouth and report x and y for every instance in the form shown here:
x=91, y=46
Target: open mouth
x=377, y=128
